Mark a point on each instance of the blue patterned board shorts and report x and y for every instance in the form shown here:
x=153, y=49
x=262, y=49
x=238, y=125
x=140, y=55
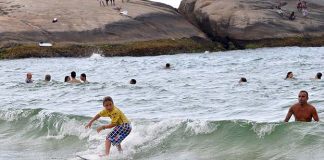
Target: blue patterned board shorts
x=119, y=133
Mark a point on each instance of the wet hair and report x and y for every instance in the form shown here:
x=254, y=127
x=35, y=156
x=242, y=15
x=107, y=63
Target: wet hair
x=108, y=98
x=303, y=91
x=84, y=75
x=47, y=77
x=73, y=74
x=132, y=81
x=29, y=74
x=167, y=65
x=243, y=79
x=66, y=79
x=288, y=74
x=319, y=75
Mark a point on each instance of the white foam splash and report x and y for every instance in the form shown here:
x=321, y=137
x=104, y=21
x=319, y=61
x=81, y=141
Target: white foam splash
x=96, y=56
x=71, y=127
x=263, y=129
x=200, y=127
x=142, y=137
x=12, y=115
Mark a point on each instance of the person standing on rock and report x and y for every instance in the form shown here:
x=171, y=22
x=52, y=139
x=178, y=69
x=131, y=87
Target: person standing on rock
x=102, y=3
x=292, y=16
x=299, y=6
x=112, y=2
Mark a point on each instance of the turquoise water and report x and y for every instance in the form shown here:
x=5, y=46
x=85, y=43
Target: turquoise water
x=195, y=110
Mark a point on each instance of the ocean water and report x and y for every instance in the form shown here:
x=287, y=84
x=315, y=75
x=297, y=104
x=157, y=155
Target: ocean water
x=196, y=110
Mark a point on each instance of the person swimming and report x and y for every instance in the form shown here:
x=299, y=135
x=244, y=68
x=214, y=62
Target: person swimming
x=318, y=75
x=289, y=75
x=242, y=80
x=132, y=81
x=292, y=16
x=73, y=78
x=47, y=78
x=167, y=66
x=29, y=77
x=83, y=78
x=67, y=79
x=302, y=110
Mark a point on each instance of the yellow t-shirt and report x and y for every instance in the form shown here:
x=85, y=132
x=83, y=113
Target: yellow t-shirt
x=117, y=116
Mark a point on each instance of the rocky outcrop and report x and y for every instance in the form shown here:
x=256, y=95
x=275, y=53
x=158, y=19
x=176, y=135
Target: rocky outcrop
x=245, y=22
x=85, y=21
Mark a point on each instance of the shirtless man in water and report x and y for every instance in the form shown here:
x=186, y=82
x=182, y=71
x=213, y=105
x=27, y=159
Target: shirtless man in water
x=302, y=111
x=73, y=79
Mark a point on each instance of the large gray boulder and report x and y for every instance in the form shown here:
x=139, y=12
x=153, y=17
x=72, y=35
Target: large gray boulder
x=84, y=21
x=253, y=20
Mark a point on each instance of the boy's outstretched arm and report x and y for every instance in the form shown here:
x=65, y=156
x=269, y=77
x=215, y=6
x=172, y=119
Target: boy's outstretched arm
x=92, y=120
x=105, y=127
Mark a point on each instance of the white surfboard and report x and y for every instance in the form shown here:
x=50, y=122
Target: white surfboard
x=89, y=157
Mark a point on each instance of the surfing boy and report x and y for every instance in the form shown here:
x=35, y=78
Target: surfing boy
x=118, y=120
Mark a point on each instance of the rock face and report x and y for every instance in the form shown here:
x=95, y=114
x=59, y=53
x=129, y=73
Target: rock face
x=253, y=20
x=85, y=21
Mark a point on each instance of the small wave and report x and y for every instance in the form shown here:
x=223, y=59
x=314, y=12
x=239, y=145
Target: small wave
x=154, y=139
x=39, y=123
x=96, y=56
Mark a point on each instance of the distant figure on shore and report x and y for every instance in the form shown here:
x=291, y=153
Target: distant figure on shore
x=280, y=4
x=47, y=78
x=67, y=79
x=101, y=3
x=112, y=2
x=302, y=111
x=292, y=16
x=302, y=7
x=83, y=78
x=305, y=12
x=29, y=77
x=290, y=76
x=132, y=81
x=243, y=80
x=318, y=75
x=73, y=79
x=167, y=66
x=299, y=6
